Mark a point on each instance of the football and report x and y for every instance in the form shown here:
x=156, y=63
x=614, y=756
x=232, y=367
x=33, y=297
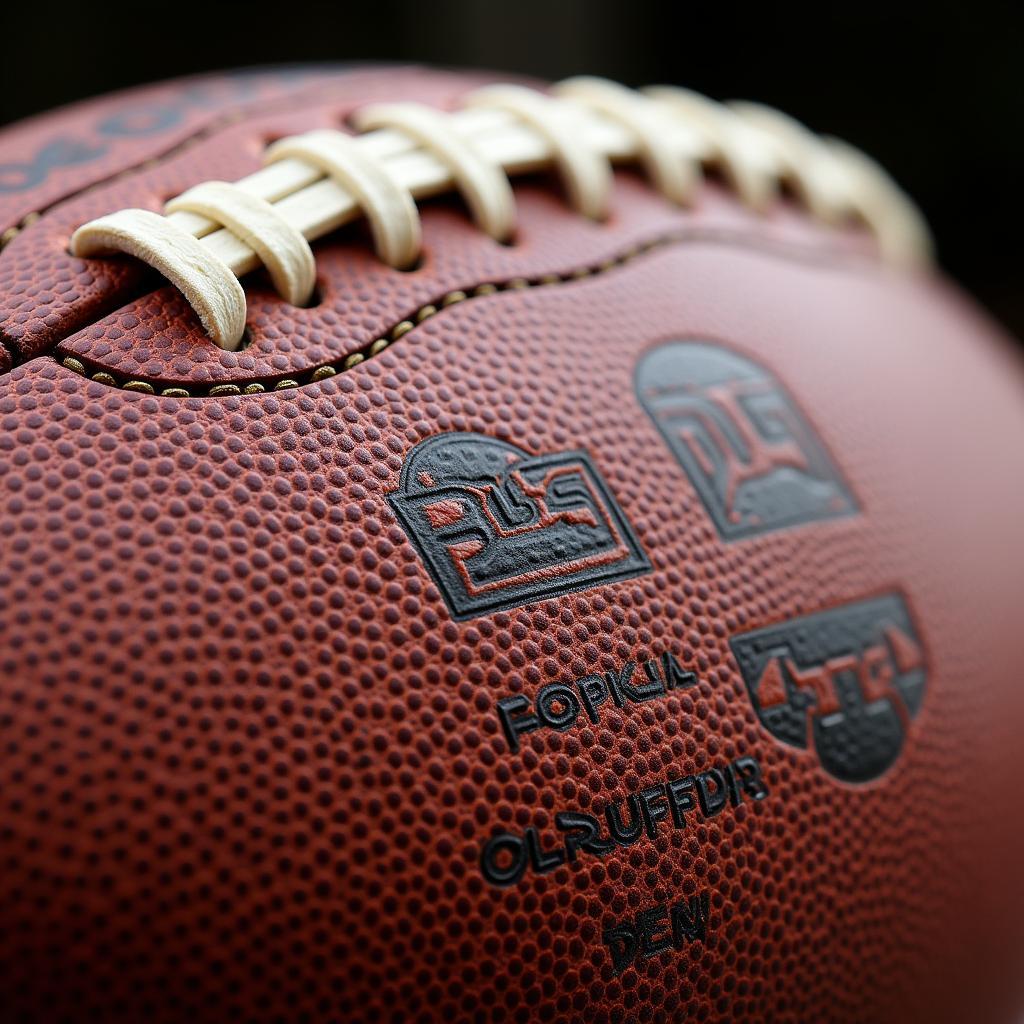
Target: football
x=480, y=550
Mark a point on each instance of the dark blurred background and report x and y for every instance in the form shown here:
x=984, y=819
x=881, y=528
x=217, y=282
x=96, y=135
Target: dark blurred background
x=936, y=94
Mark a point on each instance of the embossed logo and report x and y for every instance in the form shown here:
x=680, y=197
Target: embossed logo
x=752, y=457
x=498, y=528
x=846, y=683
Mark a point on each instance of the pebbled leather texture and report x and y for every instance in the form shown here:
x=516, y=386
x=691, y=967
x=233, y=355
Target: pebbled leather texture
x=250, y=758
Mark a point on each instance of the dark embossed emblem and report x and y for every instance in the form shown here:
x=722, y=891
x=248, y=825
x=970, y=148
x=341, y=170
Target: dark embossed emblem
x=499, y=528
x=753, y=458
x=846, y=683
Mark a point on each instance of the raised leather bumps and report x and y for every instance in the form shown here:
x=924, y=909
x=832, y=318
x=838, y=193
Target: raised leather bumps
x=252, y=673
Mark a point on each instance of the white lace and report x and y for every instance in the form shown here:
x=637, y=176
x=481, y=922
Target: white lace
x=314, y=183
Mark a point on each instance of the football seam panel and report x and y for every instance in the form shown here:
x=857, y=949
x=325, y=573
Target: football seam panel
x=816, y=258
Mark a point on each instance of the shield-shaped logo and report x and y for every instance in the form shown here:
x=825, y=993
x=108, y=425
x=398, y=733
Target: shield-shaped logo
x=845, y=682
x=751, y=455
x=498, y=528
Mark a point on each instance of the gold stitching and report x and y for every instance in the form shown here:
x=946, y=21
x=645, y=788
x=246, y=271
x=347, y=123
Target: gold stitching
x=406, y=324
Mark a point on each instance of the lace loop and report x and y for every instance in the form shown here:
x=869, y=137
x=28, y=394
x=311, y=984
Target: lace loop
x=390, y=208
x=483, y=184
x=902, y=234
x=668, y=149
x=208, y=284
x=282, y=249
x=585, y=171
x=728, y=143
x=801, y=160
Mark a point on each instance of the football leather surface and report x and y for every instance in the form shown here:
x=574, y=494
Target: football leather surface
x=634, y=636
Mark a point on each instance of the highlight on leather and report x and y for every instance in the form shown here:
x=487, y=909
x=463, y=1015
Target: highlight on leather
x=315, y=183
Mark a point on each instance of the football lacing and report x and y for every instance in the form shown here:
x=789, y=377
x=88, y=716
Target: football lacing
x=314, y=183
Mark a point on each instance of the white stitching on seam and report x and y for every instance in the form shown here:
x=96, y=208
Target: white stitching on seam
x=315, y=183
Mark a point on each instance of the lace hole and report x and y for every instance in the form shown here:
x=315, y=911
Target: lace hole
x=417, y=264
x=315, y=298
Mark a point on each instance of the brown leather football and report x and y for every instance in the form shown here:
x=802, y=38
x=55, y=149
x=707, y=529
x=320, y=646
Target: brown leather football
x=521, y=553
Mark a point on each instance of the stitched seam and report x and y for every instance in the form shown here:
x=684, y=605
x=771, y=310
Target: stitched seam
x=816, y=258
